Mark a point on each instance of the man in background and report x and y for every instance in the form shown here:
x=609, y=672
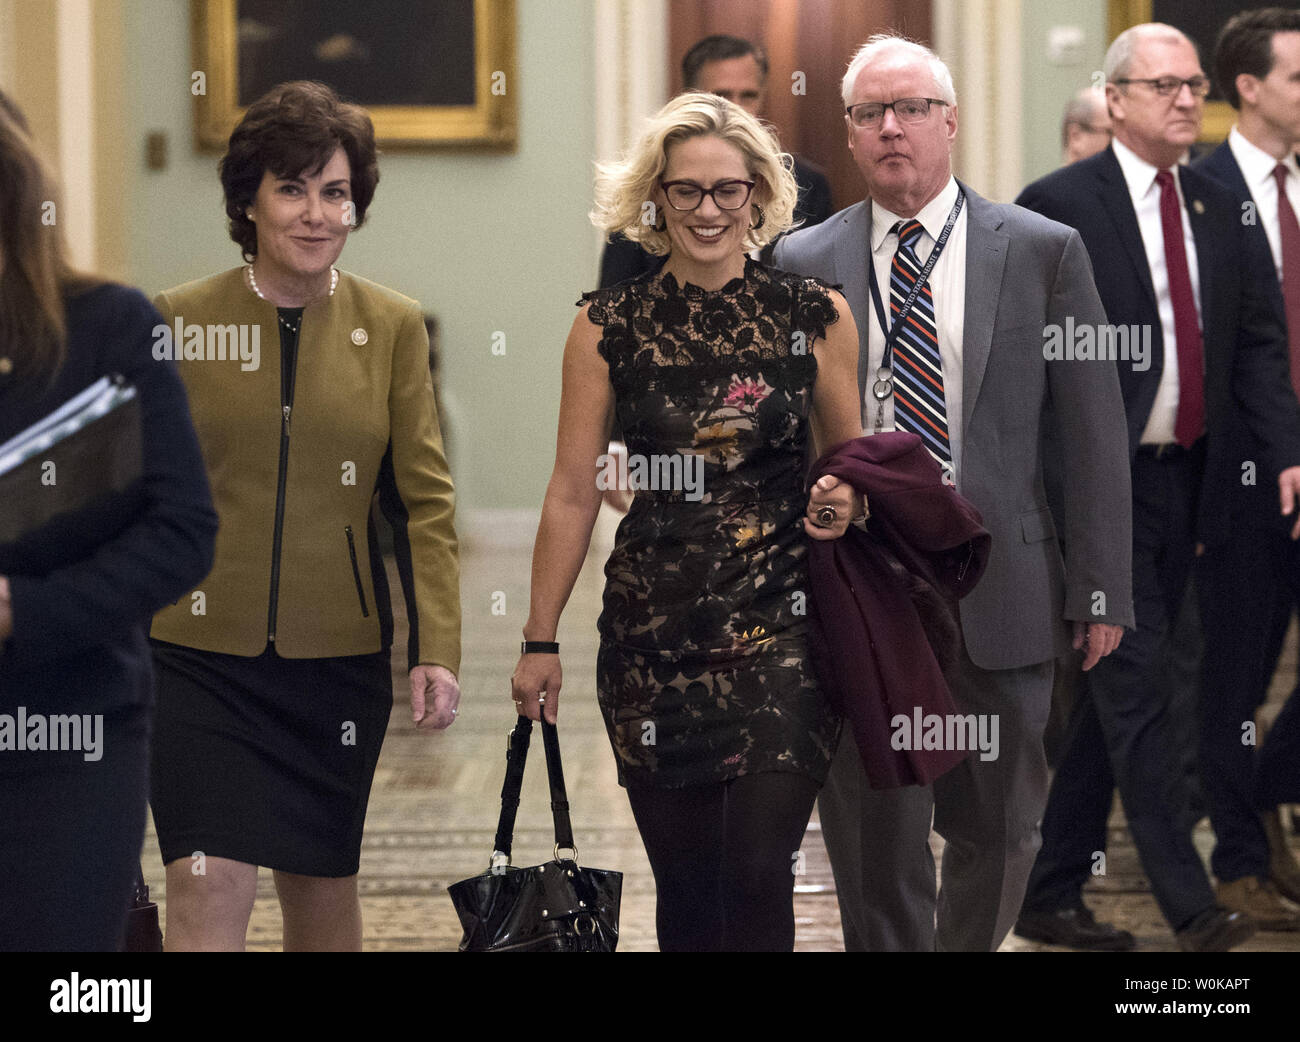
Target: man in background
x=1176, y=269
x=1257, y=572
x=1085, y=128
x=735, y=69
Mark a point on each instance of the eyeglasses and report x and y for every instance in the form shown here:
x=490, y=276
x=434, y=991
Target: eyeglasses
x=1170, y=86
x=726, y=195
x=908, y=110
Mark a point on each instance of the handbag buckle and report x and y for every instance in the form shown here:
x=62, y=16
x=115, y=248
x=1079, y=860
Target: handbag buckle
x=495, y=864
x=558, y=848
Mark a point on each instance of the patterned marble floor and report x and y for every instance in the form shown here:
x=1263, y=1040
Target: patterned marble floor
x=434, y=804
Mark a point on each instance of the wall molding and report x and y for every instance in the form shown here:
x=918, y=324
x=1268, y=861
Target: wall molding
x=75, y=63
x=981, y=42
x=631, y=81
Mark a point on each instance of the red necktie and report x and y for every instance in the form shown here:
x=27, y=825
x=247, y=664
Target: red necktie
x=1290, y=271
x=1190, y=422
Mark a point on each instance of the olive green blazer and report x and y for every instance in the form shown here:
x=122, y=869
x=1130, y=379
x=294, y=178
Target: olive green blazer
x=362, y=424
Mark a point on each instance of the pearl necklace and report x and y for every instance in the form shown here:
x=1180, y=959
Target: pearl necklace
x=252, y=282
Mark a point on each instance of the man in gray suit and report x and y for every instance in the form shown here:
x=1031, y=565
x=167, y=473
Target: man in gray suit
x=972, y=368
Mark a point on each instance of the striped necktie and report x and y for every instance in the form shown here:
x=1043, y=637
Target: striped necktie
x=918, y=370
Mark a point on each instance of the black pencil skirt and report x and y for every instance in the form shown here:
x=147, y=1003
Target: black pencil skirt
x=267, y=760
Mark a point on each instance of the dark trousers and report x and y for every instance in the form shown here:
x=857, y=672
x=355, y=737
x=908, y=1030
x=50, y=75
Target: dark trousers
x=70, y=838
x=1277, y=768
x=1123, y=718
x=1248, y=586
x=1182, y=676
x=1181, y=673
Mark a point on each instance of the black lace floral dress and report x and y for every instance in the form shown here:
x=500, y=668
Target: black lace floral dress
x=703, y=672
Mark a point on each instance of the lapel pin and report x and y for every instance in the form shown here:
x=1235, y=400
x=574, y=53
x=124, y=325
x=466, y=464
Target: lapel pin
x=1198, y=206
x=359, y=336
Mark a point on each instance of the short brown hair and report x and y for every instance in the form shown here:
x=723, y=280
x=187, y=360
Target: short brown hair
x=719, y=48
x=294, y=129
x=1245, y=45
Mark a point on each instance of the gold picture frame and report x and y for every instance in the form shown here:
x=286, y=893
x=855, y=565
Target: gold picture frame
x=1219, y=115
x=488, y=122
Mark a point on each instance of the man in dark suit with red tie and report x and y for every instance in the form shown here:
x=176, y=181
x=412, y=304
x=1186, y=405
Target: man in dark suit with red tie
x=1173, y=261
x=1256, y=574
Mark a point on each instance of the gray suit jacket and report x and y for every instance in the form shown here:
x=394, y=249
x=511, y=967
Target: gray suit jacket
x=1023, y=274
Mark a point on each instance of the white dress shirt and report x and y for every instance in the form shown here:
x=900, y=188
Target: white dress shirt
x=1145, y=193
x=947, y=287
x=1257, y=168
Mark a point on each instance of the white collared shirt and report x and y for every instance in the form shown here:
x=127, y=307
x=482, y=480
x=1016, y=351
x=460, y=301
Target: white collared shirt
x=1257, y=168
x=947, y=287
x=1145, y=193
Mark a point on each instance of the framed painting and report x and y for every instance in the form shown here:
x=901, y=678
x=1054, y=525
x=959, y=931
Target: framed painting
x=1201, y=21
x=431, y=73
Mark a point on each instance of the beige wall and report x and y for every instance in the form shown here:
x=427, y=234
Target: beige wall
x=30, y=74
x=111, y=138
x=1047, y=87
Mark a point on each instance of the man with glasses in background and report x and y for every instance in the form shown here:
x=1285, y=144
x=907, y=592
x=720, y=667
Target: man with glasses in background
x=1173, y=262
x=958, y=360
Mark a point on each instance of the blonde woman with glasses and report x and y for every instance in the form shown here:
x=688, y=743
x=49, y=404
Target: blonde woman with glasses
x=720, y=371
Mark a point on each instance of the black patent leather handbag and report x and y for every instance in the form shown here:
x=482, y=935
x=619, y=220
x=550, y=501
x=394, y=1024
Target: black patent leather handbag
x=556, y=907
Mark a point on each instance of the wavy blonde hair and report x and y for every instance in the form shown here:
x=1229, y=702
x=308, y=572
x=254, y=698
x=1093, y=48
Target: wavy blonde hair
x=624, y=187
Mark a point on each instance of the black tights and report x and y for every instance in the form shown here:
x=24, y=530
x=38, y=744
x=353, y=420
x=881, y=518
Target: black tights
x=724, y=857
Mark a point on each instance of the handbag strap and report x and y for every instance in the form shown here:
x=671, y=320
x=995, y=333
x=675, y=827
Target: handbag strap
x=559, y=798
x=516, y=758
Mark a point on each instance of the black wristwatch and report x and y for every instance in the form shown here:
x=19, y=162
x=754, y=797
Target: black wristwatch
x=539, y=647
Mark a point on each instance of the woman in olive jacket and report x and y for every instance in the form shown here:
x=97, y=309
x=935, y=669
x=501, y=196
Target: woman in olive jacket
x=311, y=394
